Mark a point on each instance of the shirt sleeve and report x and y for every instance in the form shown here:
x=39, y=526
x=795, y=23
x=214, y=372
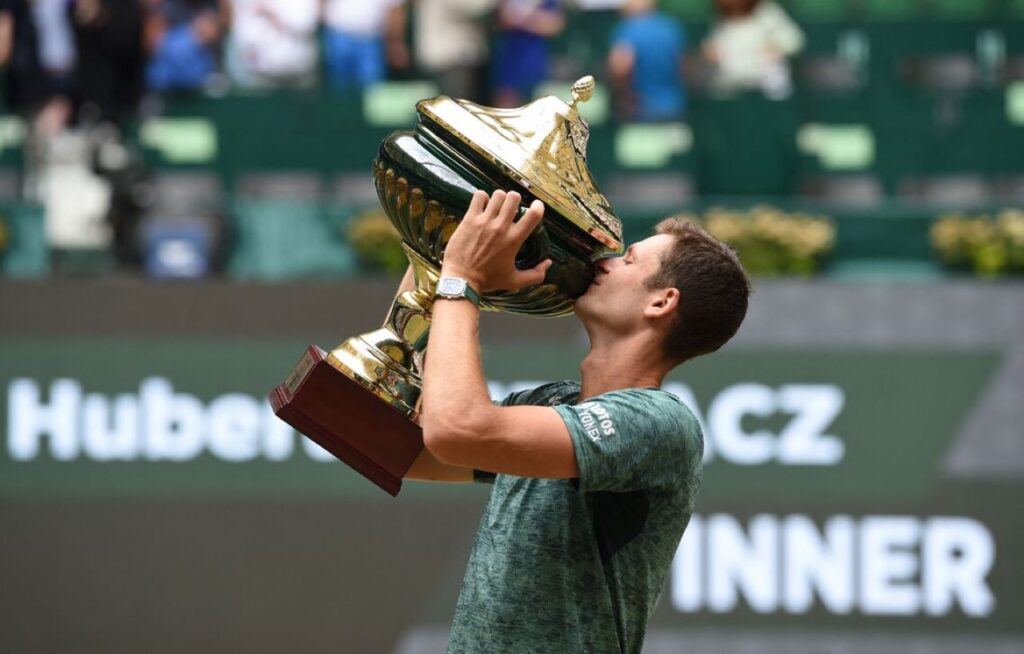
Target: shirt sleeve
x=783, y=31
x=483, y=477
x=633, y=440
x=299, y=16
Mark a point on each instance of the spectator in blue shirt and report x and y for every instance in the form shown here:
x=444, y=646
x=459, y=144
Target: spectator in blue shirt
x=645, y=64
x=522, y=54
x=360, y=38
x=183, y=37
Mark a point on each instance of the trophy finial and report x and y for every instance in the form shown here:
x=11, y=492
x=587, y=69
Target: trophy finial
x=582, y=90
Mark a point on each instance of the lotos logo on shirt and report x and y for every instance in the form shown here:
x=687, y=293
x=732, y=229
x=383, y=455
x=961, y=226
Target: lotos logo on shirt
x=595, y=420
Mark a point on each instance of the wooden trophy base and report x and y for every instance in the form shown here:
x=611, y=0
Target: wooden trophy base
x=348, y=420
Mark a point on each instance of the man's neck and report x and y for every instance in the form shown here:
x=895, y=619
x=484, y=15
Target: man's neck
x=622, y=363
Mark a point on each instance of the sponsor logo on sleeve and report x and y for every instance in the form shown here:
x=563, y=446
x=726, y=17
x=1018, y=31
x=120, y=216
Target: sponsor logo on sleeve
x=596, y=420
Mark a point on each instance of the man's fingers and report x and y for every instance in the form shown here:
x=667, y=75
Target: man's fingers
x=509, y=208
x=531, y=218
x=477, y=204
x=494, y=205
x=533, y=276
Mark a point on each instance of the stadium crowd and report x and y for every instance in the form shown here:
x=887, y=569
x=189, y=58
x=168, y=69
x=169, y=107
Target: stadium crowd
x=860, y=106
x=78, y=71
x=67, y=61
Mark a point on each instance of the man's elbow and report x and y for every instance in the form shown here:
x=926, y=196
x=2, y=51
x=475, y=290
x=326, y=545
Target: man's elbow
x=435, y=437
x=447, y=437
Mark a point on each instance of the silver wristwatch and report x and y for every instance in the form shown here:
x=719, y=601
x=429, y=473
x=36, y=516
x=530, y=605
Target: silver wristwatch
x=456, y=288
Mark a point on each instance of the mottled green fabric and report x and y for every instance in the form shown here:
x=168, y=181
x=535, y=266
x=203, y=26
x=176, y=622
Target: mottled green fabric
x=566, y=566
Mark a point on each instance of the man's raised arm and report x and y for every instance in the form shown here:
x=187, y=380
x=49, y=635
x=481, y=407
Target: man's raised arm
x=426, y=467
x=461, y=427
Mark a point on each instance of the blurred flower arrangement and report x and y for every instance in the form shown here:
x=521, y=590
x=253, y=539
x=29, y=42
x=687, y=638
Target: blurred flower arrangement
x=377, y=243
x=770, y=241
x=989, y=245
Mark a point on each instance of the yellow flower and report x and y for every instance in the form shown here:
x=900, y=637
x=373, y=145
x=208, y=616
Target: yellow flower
x=771, y=241
x=1011, y=224
x=991, y=245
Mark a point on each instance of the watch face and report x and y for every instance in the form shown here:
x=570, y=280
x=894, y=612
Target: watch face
x=451, y=286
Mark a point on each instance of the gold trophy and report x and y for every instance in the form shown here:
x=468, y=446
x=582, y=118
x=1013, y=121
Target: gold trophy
x=360, y=400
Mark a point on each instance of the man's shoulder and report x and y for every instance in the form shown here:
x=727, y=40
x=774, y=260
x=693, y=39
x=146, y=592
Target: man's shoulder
x=652, y=402
x=650, y=408
x=645, y=397
x=550, y=394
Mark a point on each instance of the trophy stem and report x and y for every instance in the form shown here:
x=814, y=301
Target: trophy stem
x=329, y=397
x=409, y=317
x=389, y=360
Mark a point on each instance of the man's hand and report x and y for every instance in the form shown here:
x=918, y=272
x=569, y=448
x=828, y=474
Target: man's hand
x=461, y=426
x=483, y=248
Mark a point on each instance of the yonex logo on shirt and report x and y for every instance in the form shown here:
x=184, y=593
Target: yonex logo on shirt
x=596, y=420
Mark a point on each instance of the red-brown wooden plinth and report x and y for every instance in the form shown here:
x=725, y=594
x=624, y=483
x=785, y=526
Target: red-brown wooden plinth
x=347, y=420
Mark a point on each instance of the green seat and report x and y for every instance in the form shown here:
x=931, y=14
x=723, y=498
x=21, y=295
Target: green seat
x=688, y=9
x=737, y=155
x=277, y=240
x=887, y=10
x=818, y=10
x=959, y=9
x=977, y=137
x=27, y=254
x=587, y=38
x=1014, y=9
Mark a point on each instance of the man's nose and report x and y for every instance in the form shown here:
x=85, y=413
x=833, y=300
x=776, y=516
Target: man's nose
x=605, y=264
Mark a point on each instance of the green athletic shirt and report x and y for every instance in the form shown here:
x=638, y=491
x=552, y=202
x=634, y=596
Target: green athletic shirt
x=577, y=565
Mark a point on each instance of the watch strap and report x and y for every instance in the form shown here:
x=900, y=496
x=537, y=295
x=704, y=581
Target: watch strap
x=472, y=295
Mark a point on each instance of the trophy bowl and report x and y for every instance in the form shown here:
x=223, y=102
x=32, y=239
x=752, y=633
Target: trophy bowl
x=360, y=401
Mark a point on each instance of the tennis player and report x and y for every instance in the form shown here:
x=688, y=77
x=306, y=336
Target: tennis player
x=593, y=481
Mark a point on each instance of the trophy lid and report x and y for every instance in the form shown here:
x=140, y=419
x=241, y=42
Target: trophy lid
x=542, y=146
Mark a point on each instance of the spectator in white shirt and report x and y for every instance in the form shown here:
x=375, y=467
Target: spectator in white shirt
x=750, y=46
x=452, y=44
x=273, y=43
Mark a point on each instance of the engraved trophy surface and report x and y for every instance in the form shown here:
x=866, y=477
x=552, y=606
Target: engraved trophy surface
x=359, y=401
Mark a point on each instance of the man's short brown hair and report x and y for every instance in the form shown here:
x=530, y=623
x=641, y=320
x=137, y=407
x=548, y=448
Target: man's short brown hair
x=713, y=289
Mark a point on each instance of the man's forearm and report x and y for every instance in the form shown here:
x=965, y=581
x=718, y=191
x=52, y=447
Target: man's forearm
x=455, y=389
x=453, y=380
x=459, y=422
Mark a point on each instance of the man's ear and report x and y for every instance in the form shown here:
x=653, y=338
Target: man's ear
x=664, y=303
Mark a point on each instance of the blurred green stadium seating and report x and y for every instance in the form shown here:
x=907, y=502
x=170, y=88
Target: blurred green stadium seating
x=688, y=9
x=276, y=240
x=27, y=254
x=818, y=10
x=886, y=129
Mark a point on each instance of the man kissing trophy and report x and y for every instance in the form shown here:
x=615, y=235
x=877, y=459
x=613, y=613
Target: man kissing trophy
x=593, y=481
x=360, y=400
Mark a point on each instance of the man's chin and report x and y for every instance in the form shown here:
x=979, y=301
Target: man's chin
x=583, y=301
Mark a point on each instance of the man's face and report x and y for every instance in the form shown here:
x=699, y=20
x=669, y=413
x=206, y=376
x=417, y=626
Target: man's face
x=618, y=293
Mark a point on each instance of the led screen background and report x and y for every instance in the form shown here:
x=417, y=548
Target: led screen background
x=862, y=477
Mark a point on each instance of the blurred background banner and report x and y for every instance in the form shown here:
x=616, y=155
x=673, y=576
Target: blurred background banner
x=88, y=415
x=186, y=203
